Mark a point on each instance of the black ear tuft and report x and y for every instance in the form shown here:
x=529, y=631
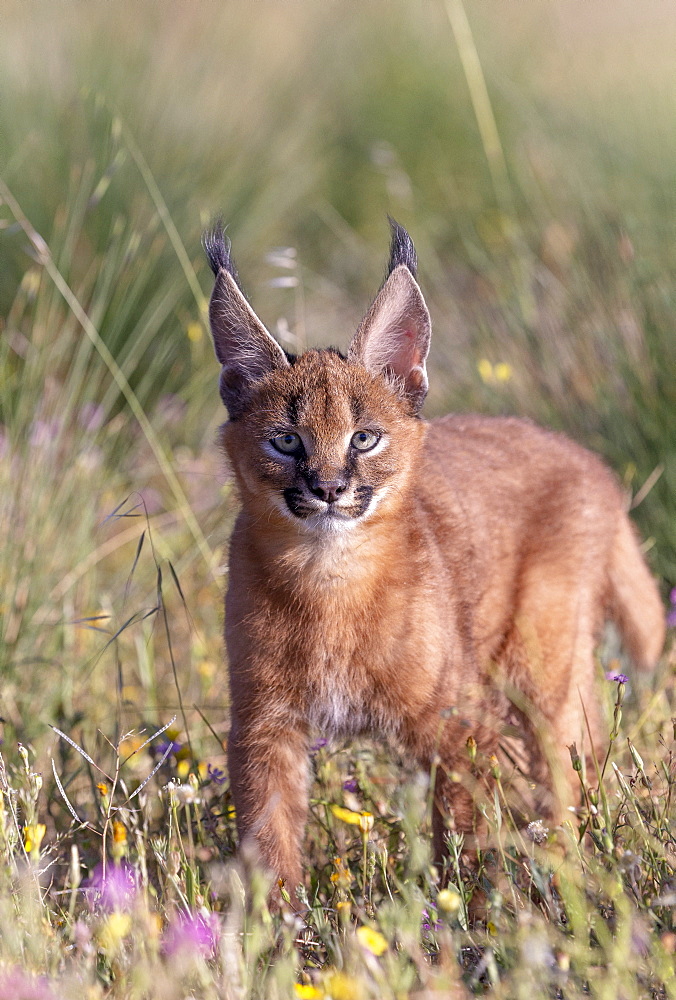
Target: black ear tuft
x=217, y=247
x=402, y=250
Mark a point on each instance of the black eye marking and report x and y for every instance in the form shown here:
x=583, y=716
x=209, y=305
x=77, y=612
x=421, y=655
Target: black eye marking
x=364, y=440
x=288, y=443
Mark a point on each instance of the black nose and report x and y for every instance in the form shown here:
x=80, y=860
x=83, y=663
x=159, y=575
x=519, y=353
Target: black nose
x=326, y=490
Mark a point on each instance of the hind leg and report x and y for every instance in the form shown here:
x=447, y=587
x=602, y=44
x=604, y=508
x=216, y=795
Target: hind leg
x=550, y=660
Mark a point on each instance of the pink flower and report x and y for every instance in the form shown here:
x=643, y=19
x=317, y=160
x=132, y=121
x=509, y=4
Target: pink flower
x=671, y=614
x=18, y=985
x=613, y=675
x=195, y=933
x=91, y=416
x=44, y=432
x=115, y=890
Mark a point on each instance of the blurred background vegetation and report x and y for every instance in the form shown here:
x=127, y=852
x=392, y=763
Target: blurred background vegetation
x=548, y=259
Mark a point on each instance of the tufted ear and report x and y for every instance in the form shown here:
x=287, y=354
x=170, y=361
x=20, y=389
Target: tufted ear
x=245, y=349
x=394, y=337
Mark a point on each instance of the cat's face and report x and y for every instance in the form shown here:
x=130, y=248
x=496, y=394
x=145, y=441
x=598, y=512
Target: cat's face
x=322, y=443
x=322, y=440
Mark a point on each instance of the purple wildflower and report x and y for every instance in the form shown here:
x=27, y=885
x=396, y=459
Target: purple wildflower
x=91, y=416
x=430, y=921
x=82, y=936
x=18, y=985
x=216, y=775
x=671, y=614
x=191, y=933
x=162, y=746
x=350, y=785
x=613, y=675
x=43, y=432
x=318, y=745
x=115, y=890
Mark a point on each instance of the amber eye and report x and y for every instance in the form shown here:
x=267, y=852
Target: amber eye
x=364, y=440
x=287, y=443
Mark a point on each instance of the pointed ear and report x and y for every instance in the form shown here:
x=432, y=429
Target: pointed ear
x=394, y=337
x=243, y=346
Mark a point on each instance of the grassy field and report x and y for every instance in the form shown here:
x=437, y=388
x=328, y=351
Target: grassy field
x=529, y=148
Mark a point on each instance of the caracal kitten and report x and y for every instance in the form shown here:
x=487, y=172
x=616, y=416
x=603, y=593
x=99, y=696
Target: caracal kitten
x=417, y=580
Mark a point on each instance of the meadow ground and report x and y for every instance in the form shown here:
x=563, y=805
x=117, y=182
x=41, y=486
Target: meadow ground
x=530, y=150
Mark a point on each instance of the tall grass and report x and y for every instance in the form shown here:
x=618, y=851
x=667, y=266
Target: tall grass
x=124, y=131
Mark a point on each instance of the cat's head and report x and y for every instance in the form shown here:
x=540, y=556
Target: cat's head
x=322, y=439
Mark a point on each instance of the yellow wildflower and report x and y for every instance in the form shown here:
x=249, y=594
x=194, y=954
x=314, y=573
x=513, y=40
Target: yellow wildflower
x=485, y=369
x=206, y=669
x=102, y=788
x=183, y=768
x=119, y=832
x=347, y=815
x=502, y=371
x=364, y=820
x=32, y=837
x=491, y=374
x=342, y=876
x=372, y=940
x=340, y=986
x=194, y=332
x=307, y=992
x=129, y=746
x=112, y=932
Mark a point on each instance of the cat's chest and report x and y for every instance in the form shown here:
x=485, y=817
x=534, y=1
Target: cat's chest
x=339, y=687
x=340, y=703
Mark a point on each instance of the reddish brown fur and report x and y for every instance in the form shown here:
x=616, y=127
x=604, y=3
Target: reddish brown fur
x=478, y=582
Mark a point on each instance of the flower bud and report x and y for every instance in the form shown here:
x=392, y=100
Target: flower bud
x=635, y=756
x=449, y=901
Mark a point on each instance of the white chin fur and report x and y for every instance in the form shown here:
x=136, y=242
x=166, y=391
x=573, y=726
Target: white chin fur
x=321, y=521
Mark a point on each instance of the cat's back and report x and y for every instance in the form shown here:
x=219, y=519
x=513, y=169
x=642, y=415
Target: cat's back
x=510, y=458
x=504, y=498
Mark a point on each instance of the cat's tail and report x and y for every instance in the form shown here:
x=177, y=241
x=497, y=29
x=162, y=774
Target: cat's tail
x=634, y=600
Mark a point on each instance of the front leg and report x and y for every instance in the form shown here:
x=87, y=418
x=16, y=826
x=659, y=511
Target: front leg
x=269, y=777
